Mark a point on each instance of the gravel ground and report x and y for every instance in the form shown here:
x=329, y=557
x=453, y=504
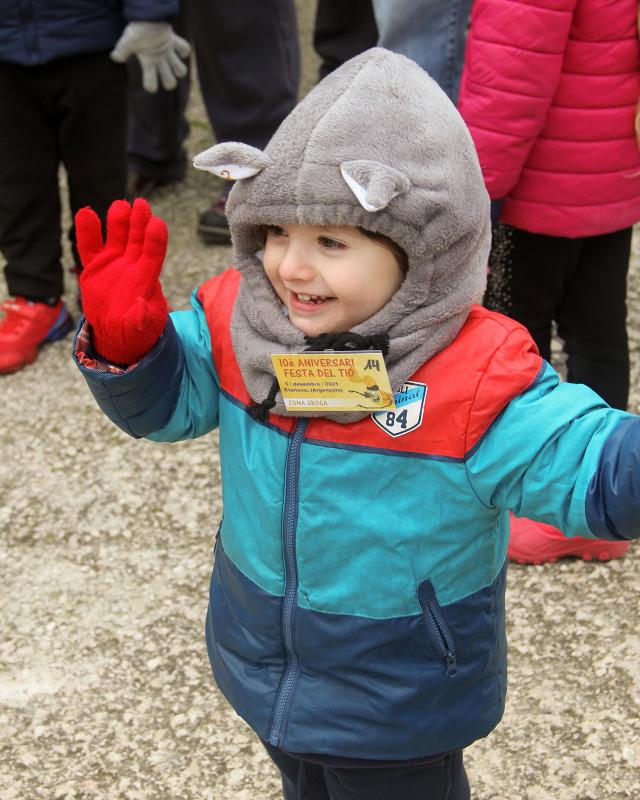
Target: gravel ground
x=105, y=555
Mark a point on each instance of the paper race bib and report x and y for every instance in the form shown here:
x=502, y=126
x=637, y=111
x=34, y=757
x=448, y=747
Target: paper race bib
x=333, y=380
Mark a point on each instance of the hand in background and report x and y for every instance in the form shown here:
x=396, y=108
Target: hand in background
x=158, y=49
x=122, y=297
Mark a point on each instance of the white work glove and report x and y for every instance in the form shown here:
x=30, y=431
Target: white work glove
x=159, y=50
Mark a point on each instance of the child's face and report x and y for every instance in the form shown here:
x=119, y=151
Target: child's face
x=330, y=278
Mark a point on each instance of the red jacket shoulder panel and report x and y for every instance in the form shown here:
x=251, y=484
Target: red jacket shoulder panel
x=466, y=385
x=491, y=361
x=513, y=366
x=218, y=296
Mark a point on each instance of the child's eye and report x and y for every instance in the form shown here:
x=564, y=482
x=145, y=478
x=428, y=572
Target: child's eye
x=331, y=244
x=275, y=230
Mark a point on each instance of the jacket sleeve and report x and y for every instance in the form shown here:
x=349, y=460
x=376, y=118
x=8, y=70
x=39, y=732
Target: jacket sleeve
x=513, y=63
x=172, y=393
x=150, y=10
x=558, y=454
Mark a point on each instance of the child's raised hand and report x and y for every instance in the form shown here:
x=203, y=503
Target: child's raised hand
x=122, y=297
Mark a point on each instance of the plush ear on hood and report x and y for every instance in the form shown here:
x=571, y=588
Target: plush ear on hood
x=232, y=161
x=374, y=184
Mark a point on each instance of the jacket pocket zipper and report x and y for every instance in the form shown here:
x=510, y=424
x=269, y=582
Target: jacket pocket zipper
x=438, y=629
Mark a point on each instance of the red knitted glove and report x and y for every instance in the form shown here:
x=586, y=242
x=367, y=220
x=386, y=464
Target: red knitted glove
x=122, y=297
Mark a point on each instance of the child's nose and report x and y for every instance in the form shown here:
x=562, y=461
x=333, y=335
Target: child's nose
x=296, y=265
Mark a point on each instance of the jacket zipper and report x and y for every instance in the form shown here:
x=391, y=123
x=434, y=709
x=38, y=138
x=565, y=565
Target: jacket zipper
x=289, y=524
x=441, y=633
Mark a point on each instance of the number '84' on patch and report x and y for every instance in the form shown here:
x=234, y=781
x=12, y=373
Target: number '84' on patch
x=407, y=416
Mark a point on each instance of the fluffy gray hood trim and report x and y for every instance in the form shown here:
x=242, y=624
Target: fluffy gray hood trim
x=376, y=144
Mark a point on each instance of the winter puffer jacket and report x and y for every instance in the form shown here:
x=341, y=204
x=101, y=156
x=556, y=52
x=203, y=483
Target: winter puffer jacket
x=38, y=31
x=549, y=92
x=357, y=598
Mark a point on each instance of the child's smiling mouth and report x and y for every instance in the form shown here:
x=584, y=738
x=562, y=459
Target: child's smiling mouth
x=306, y=302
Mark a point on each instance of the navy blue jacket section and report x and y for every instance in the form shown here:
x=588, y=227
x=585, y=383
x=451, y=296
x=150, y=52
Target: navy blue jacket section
x=612, y=506
x=244, y=642
x=38, y=31
x=141, y=401
x=380, y=688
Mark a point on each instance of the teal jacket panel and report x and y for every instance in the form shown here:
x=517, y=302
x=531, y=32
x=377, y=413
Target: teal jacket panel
x=373, y=526
x=196, y=411
x=540, y=454
x=252, y=465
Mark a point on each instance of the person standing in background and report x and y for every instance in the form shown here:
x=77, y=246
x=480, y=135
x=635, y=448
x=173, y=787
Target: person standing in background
x=249, y=89
x=549, y=92
x=247, y=55
x=63, y=99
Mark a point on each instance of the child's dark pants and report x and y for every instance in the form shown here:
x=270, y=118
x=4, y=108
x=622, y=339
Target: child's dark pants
x=581, y=284
x=71, y=111
x=444, y=779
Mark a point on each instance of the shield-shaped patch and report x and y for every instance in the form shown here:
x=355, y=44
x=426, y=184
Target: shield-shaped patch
x=407, y=417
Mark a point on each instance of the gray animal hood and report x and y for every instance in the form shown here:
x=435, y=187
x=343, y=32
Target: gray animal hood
x=376, y=144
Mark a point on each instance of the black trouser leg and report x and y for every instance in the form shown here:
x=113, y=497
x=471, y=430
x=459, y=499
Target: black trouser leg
x=29, y=197
x=581, y=284
x=158, y=125
x=592, y=317
x=248, y=65
x=444, y=779
x=526, y=279
x=92, y=133
x=301, y=780
x=342, y=30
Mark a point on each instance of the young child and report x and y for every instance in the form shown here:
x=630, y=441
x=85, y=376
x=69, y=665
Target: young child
x=549, y=92
x=356, y=617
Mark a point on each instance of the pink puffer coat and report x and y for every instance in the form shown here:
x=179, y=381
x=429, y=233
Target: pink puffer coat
x=549, y=92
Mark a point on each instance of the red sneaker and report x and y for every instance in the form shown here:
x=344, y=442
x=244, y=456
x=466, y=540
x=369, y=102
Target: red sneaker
x=25, y=327
x=536, y=543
